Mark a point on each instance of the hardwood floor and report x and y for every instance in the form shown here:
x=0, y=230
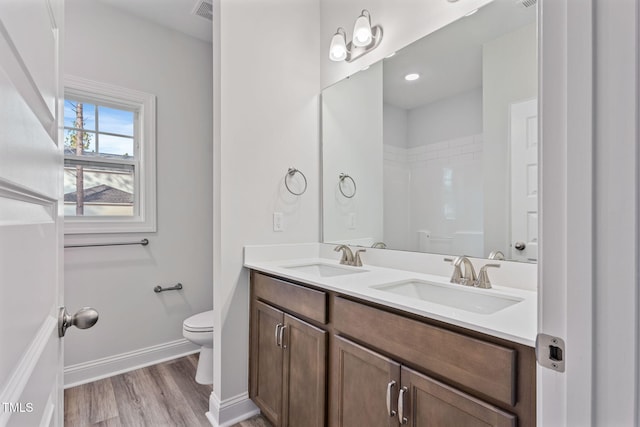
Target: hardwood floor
x=161, y=395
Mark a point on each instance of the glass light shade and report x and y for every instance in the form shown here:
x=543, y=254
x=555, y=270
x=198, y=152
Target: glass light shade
x=362, y=31
x=338, y=47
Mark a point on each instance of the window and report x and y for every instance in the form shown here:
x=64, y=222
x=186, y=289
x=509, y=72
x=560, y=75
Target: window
x=109, y=159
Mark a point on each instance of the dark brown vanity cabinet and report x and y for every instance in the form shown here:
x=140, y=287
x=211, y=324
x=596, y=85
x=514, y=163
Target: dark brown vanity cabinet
x=373, y=390
x=318, y=358
x=363, y=386
x=430, y=403
x=288, y=366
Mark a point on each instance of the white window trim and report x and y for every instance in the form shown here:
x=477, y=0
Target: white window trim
x=145, y=220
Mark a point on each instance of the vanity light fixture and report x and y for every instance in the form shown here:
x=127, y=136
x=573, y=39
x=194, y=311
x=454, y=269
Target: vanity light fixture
x=411, y=77
x=338, y=48
x=365, y=39
x=362, y=30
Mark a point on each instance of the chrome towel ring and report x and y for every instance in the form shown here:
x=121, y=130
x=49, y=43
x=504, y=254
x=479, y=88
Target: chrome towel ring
x=290, y=173
x=342, y=177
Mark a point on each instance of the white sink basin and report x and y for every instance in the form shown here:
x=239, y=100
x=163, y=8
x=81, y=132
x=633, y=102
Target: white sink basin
x=456, y=296
x=324, y=270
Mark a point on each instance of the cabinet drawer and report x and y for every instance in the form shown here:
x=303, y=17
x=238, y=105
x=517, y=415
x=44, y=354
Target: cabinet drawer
x=306, y=302
x=432, y=403
x=487, y=368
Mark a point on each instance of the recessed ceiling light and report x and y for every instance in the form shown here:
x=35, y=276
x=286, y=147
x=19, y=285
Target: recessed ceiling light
x=472, y=12
x=390, y=55
x=365, y=68
x=411, y=77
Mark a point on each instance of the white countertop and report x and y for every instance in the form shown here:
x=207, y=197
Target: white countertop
x=517, y=322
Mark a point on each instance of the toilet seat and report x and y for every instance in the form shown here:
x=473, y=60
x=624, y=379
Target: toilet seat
x=201, y=322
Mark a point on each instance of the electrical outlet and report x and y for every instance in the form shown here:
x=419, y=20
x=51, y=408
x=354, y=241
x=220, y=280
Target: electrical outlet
x=277, y=221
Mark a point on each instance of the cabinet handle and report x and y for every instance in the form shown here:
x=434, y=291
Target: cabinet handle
x=278, y=335
x=401, y=416
x=282, y=344
x=390, y=411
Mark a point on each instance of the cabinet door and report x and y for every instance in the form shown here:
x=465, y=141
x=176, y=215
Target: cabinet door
x=430, y=403
x=305, y=361
x=266, y=361
x=359, y=382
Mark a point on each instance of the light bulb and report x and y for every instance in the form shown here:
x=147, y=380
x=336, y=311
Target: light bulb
x=411, y=77
x=338, y=47
x=362, y=30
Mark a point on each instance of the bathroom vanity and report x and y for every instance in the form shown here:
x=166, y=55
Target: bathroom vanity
x=323, y=351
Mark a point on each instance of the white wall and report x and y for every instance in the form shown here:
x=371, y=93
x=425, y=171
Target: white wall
x=106, y=45
x=616, y=239
x=395, y=127
x=433, y=186
x=396, y=178
x=454, y=117
x=352, y=144
x=267, y=120
x=509, y=75
x=446, y=197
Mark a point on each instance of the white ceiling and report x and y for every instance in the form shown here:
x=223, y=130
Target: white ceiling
x=173, y=14
x=449, y=60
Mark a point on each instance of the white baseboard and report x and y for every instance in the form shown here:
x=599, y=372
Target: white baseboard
x=105, y=367
x=230, y=411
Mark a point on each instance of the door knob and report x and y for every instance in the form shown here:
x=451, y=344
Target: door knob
x=84, y=318
x=520, y=246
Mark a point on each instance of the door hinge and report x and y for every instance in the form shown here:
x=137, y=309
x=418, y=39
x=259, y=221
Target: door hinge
x=550, y=352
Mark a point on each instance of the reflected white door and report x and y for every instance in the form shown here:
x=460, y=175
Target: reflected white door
x=30, y=222
x=524, y=180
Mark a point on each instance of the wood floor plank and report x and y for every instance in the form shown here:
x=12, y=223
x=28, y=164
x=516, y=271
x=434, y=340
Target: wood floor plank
x=183, y=373
x=257, y=421
x=163, y=395
x=136, y=401
x=102, y=401
x=76, y=406
x=169, y=395
x=111, y=422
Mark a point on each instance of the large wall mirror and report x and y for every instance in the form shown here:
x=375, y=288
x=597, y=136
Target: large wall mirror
x=447, y=162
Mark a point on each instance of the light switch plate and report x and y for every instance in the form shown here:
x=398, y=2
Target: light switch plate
x=277, y=221
x=352, y=221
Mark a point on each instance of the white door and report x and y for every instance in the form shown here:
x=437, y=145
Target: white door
x=524, y=180
x=30, y=221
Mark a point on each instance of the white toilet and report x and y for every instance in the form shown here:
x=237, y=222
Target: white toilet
x=199, y=330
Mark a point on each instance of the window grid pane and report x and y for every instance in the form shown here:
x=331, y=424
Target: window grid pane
x=91, y=187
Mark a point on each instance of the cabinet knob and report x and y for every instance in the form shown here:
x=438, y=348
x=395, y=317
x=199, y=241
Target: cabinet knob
x=390, y=411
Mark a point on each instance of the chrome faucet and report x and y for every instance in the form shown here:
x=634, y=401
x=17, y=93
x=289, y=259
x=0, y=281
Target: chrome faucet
x=347, y=256
x=483, y=278
x=468, y=278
